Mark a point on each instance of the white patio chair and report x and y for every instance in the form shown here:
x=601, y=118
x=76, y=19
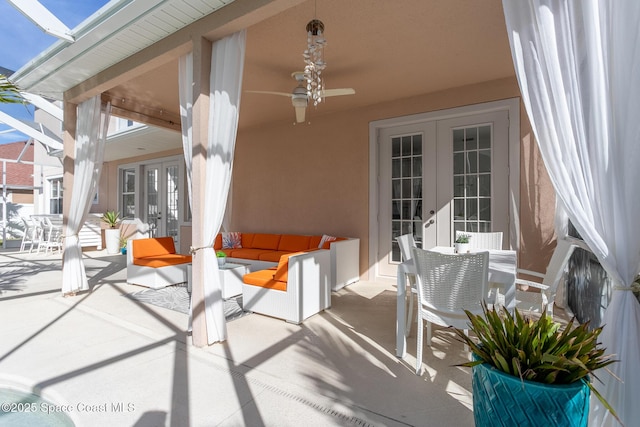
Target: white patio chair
x=29, y=235
x=486, y=240
x=447, y=285
x=543, y=296
x=52, y=237
x=38, y=233
x=483, y=240
x=406, y=243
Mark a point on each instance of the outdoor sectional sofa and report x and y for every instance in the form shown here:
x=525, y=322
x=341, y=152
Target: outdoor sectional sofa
x=261, y=251
x=154, y=263
x=297, y=288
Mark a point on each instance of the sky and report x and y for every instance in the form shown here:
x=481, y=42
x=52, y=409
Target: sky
x=22, y=40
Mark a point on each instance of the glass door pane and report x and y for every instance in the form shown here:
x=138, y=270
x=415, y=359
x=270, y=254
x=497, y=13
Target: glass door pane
x=472, y=178
x=153, y=213
x=406, y=190
x=172, y=209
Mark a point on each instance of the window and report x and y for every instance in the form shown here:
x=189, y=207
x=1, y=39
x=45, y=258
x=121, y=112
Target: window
x=55, y=196
x=128, y=202
x=472, y=179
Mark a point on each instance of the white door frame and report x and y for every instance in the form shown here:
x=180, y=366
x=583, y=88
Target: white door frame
x=141, y=192
x=512, y=106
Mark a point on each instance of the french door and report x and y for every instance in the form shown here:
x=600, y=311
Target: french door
x=439, y=176
x=161, y=199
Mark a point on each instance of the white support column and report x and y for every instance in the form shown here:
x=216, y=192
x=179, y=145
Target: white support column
x=69, y=141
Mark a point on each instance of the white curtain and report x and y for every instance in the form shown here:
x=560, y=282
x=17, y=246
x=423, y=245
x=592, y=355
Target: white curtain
x=578, y=66
x=91, y=133
x=185, y=86
x=227, y=63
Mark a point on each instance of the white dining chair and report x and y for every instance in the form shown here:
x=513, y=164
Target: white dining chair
x=483, y=240
x=539, y=296
x=407, y=243
x=447, y=285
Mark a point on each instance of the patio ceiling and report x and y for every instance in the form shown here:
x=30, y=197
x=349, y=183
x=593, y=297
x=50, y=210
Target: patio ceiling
x=387, y=51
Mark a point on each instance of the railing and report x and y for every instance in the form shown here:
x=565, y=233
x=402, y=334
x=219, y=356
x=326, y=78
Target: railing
x=90, y=234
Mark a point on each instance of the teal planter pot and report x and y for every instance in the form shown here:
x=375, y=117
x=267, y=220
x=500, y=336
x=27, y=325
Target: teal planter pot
x=504, y=400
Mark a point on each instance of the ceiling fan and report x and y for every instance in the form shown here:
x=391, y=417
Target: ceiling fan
x=299, y=96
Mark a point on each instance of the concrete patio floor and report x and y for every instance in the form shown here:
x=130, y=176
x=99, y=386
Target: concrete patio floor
x=99, y=349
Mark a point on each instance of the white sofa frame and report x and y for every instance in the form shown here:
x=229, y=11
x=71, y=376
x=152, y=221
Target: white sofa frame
x=345, y=263
x=154, y=277
x=344, y=257
x=308, y=290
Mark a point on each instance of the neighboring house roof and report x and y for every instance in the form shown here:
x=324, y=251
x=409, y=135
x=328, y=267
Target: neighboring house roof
x=17, y=174
x=5, y=71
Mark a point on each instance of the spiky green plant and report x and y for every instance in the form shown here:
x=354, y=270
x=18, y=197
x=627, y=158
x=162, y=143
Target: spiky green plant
x=111, y=218
x=463, y=238
x=9, y=93
x=536, y=349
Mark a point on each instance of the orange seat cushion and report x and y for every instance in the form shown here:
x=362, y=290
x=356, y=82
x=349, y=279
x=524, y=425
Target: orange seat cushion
x=247, y=240
x=293, y=243
x=264, y=279
x=272, y=256
x=143, y=248
x=314, y=242
x=217, y=245
x=265, y=241
x=282, y=270
x=247, y=253
x=163, y=260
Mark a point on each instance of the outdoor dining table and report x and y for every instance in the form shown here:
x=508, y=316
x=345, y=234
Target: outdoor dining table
x=502, y=271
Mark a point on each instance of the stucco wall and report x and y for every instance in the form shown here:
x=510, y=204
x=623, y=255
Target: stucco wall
x=314, y=178
x=537, y=204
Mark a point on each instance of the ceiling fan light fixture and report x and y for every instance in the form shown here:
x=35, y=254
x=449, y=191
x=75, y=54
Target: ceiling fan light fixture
x=314, y=60
x=299, y=100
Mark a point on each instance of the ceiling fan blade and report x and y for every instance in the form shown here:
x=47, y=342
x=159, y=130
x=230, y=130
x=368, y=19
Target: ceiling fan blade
x=338, y=92
x=267, y=92
x=300, y=114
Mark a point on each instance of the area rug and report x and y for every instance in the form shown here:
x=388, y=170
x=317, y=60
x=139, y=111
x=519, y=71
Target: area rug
x=177, y=298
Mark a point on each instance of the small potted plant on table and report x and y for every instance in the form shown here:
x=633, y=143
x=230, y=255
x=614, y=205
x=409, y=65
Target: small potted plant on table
x=529, y=372
x=462, y=243
x=112, y=234
x=222, y=258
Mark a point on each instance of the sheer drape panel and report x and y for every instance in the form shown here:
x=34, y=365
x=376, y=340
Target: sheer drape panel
x=185, y=86
x=90, y=141
x=578, y=66
x=227, y=63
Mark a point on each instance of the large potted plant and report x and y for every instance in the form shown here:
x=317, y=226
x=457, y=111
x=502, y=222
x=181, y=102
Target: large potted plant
x=112, y=234
x=532, y=372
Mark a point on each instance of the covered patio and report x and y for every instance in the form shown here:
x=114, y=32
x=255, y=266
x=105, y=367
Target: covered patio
x=338, y=368
x=287, y=173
